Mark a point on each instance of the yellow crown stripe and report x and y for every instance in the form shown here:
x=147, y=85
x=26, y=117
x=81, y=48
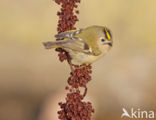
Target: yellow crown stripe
x=108, y=35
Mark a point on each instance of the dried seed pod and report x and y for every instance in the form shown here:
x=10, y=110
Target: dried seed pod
x=74, y=108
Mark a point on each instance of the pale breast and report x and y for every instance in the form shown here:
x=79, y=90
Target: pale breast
x=82, y=58
x=79, y=58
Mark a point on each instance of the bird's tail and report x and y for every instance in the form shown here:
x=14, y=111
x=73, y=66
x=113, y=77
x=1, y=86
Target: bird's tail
x=49, y=45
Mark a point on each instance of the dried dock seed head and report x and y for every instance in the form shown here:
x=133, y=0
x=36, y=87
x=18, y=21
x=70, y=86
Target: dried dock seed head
x=74, y=108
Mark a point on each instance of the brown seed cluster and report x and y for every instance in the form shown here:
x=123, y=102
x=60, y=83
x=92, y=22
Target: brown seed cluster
x=80, y=76
x=67, y=19
x=74, y=108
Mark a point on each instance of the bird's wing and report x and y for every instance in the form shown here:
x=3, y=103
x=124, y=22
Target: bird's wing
x=77, y=44
x=73, y=42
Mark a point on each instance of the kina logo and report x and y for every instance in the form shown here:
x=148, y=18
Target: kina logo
x=138, y=113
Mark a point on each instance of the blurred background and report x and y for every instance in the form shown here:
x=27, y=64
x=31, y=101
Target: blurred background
x=32, y=79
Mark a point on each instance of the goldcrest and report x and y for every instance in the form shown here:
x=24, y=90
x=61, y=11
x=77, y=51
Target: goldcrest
x=84, y=45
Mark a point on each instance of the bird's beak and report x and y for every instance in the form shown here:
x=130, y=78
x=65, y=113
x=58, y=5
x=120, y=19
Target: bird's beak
x=110, y=43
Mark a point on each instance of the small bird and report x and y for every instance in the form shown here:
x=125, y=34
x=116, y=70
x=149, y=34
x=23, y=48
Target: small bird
x=84, y=45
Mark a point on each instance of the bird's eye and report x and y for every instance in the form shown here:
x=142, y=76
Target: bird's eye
x=102, y=40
